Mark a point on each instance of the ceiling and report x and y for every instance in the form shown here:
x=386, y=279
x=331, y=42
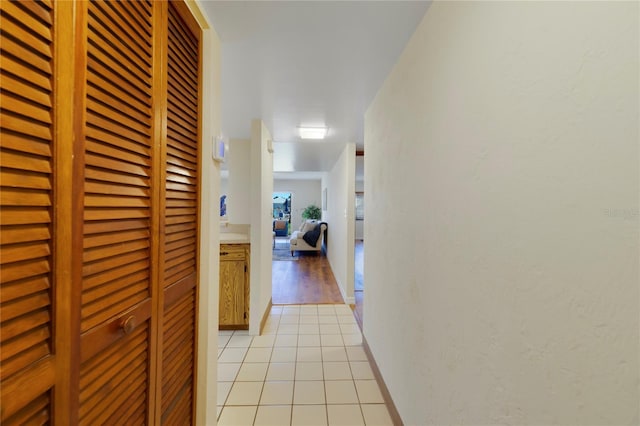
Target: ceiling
x=307, y=63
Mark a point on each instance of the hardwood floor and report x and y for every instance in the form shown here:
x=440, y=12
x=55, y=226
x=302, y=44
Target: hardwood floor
x=310, y=280
x=307, y=280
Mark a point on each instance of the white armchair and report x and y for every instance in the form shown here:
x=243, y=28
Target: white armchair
x=297, y=241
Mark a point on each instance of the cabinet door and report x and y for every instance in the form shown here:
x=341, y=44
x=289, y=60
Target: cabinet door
x=233, y=307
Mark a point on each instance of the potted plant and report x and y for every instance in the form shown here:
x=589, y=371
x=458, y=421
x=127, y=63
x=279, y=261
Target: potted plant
x=312, y=212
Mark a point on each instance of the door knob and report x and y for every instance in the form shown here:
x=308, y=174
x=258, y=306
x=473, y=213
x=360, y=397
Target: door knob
x=127, y=325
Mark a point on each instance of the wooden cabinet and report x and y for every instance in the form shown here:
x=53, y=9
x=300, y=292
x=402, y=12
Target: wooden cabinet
x=234, y=286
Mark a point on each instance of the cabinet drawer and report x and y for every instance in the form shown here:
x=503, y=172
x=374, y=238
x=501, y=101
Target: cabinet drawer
x=233, y=252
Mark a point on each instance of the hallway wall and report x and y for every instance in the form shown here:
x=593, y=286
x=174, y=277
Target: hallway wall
x=208, y=292
x=340, y=218
x=502, y=216
x=239, y=181
x=261, y=224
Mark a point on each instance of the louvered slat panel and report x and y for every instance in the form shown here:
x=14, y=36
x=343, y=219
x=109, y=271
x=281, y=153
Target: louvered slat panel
x=116, y=249
x=142, y=9
x=120, y=270
x=180, y=223
x=176, y=102
x=188, y=213
x=183, y=55
x=17, y=142
x=35, y=413
x=137, y=32
x=106, y=163
x=121, y=225
x=187, y=242
x=31, y=347
x=182, y=67
x=120, y=32
x=126, y=413
x=26, y=182
x=38, y=319
x=178, y=355
x=126, y=59
x=184, y=145
x=184, y=78
x=183, y=46
x=188, y=168
x=180, y=124
x=105, y=146
x=114, y=377
x=117, y=242
x=185, y=152
x=112, y=214
x=16, y=67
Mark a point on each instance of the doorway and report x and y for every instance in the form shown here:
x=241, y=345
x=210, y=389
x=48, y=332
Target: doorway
x=281, y=224
x=282, y=206
x=358, y=282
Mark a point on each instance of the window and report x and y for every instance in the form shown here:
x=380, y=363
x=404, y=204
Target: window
x=282, y=205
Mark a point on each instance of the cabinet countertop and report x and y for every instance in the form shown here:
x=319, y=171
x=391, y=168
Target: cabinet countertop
x=234, y=238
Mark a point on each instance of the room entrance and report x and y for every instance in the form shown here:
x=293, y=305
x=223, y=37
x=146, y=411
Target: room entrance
x=282, y=205
x=281, y=218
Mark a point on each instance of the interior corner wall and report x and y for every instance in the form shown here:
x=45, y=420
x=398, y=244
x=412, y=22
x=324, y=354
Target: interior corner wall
x=303, y=193
x=502, y=216
x=208, y=293
x=340, y=218
x=261, y=224
x=239, y=181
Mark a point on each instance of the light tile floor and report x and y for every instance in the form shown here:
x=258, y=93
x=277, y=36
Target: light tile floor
x=308, y=368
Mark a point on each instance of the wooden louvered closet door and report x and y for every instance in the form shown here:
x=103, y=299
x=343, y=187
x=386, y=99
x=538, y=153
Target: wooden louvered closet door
x=117, y=285
x=99, y=169
x=27, y=286
x=179, y=256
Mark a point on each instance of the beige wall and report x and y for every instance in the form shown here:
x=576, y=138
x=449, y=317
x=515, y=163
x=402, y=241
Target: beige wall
x=261, y=223
x=340, y=218
x=502, y=216
x=239, y=182
x=206, y=383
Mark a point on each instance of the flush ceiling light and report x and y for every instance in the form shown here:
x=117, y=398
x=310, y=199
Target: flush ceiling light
x=312, y=132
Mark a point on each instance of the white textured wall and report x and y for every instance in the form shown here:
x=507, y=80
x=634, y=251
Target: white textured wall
x=261, y=224
x=340, y=218
x=239, y=182
x=303, y=193
x=207, y=380
x=502, y=216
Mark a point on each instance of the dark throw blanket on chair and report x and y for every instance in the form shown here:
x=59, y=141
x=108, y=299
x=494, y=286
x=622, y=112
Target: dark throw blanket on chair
x=311, y=237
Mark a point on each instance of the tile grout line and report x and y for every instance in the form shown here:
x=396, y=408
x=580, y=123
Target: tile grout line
x=272, y=347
